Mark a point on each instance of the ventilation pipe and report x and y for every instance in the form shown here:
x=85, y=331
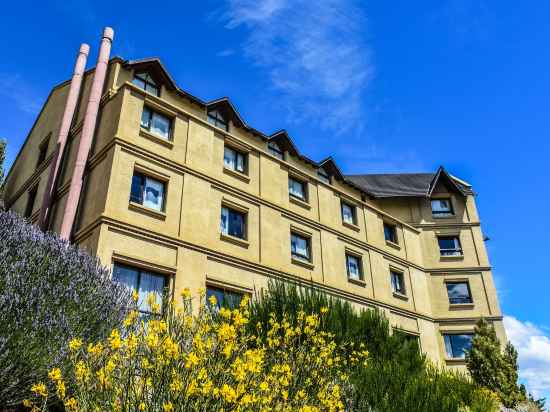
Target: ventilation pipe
x=88, y=130
x=70, y=106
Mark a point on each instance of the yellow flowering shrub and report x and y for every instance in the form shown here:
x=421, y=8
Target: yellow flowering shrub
x=207, y=361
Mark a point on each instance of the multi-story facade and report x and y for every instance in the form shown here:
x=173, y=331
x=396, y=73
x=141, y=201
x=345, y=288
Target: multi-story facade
x=178, y=192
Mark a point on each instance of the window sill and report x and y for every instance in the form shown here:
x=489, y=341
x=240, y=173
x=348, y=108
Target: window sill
x=235, y=240
x=400, y=296
x=393, y=245
x=238, y=175
x=456, y=361
x=299, y=202
x=148, y=211
x=443, y=216
x=461, y=306
x=358, y=282
x=452, y=257
x=351, y=226
x=303, y=263
x=156, y=138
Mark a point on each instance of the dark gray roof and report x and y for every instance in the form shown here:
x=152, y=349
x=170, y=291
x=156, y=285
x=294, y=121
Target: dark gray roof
x=404, y=184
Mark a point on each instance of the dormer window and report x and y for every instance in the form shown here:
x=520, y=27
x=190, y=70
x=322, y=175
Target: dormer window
x=442, y=207
x=275, y=150
x=323, y=176
x=144, y=81
x=217, y=119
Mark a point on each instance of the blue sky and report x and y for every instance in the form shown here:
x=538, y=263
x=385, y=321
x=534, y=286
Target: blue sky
x=383, y=88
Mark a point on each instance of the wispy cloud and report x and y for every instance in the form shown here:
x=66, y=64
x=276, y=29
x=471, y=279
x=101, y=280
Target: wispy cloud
x=533, y=347
x=225, y=53
x=13, y=87
x=315, y=54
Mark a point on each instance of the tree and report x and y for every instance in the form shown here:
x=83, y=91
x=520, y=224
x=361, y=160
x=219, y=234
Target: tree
x=50, y=292
x=492, y=368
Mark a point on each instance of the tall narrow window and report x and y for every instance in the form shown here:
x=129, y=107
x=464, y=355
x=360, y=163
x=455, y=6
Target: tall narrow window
x=442, y=207
x=234, y=160
x=353, y=265
x=449, y=246
x=147, y=191
x=218, y=120
x=275, y=150
x=233, y=223
x=348, y=214
x=297, y=189
x=456, y=345
x=224, y=297
x=42, y=152
x=144, y=81
x=390, y=233
x=30, y=201
x=300, y=247
x=397, y=282
x=144, y=282
x=459, y=293
x=156, y=123
x=323, y=176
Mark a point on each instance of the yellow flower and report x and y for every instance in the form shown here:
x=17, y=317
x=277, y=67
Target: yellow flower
x=75, y=344
x=135, y=296
x=324, y=310
x=141, y=406
x=71, y=404
x=27, y=403
x=55, y=374
x=114, y=340
x=213, y=301
x=168, y=407
x=40, y=389
x=61, y=391
x=185, y=293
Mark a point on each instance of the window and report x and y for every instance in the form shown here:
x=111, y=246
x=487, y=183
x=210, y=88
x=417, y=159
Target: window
x=449, y=246
x=147, y=191
x=145, y=81
x=300, y=247
x=216, y=118
x=224, y=297
x=275, y=150
x=456, y=345
x=297, y=189
x=143, y=282
x=348, y=214
x=42, y=152
x=323, y=176
x=408, y=338
x=442, y=207
x=353, y=264
x=156, y=123
x=459, y=292
x=233, y=223
x=30, y=201
x=234, y=160
x=397, y=282
x=390, y=233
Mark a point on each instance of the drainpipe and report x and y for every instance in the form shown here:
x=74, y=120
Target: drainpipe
x=70, y=106
x=87, y=135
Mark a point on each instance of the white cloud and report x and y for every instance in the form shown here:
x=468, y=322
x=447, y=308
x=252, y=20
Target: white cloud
x=315, y=54
x=13, y=87
x=533, y=347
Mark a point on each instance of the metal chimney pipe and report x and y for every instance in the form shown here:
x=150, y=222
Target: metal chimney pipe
x=70, y=106
x=88, y=130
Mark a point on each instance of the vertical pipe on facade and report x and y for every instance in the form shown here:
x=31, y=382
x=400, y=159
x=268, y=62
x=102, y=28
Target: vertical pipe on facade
x=87, y=135
x=68, y=113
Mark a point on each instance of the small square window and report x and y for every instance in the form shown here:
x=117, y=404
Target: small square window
x=297, y=189
x=233, y=223
x=349, y=213
x=397, y=282
x=144, y=283
x=456, y=345
x=390, y=233
x=217, y=119
x=156, y=123
x=354, y=267
x=449, y=246
x=30, y=201
x=147, y=191
x=442, y=207
x=276, y=150
x=459, y=292
x=300, y=247
x=323, y=176
x=144, y=81
x=42, y=152
x=224, y=298
x=234, y=160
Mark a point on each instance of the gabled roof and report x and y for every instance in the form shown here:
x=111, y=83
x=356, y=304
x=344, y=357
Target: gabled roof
x=376, y=185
